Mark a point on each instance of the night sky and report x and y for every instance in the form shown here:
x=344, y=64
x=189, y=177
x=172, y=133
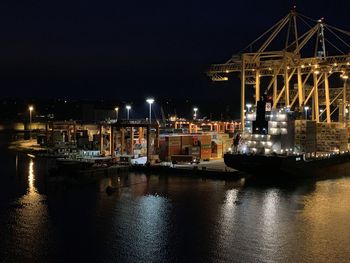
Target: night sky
x=132, y=49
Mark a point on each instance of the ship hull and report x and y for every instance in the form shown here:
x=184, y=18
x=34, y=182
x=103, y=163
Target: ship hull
x=289, y=166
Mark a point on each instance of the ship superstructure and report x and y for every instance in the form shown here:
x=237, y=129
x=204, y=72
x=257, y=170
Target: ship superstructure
x=268, y=131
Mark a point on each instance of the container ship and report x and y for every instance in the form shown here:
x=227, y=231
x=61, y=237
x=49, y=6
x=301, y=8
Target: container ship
x=303, y=71
x=276, y=144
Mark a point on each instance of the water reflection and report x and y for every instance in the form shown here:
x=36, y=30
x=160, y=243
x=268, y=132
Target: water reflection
x=31, y=178
x=16, y=164
x=159, y=219
x=325, y=222
x=271, y=237
x=30, y=219
x=269, y=210
x=228, y=209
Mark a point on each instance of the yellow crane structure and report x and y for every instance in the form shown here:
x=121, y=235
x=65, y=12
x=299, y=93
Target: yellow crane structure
x=290, y=75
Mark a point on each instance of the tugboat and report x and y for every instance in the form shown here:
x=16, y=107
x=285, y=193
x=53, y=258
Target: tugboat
x=276, y=145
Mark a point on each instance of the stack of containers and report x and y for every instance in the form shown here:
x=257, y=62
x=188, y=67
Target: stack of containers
x=215, y=142
x=169, y=145
x=196, y=139
x=343, y=138
x=214, y=135
x=216, y=149
x=196, y=148
x=226, y=142
x=331, y=137
x=195, y=151
x=305, y=136
x=205, y=143
x=186, y=144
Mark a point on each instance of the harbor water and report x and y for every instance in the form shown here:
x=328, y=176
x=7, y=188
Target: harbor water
x=152, y=218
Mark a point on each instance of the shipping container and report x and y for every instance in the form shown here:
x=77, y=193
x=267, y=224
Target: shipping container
x=205, y=139
x=195, y=151
x=186, y=140
x=196, y=140
x=168, y=146
x=206, y=146
x=205, y=154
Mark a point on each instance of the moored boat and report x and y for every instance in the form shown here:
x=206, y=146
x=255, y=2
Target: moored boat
x=283, y=166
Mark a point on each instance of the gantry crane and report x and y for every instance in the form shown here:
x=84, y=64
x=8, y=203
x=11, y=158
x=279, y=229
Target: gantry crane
x=274, y=72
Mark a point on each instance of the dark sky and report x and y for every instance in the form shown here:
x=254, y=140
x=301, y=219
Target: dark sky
x=126, y=49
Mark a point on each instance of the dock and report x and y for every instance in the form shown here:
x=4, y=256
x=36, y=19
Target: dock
x=214, y=169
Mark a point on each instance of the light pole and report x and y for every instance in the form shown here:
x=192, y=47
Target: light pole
x=31, y=108
x=116, y=112
x=128, y=107
x=195, y=113
x=306, y=108
x=150, y=101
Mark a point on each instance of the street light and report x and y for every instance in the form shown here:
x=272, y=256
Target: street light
x=128, y=107
x=195, y=112
x=31, y=108
x=150, y=101
x=116, y=112
x=306, y=108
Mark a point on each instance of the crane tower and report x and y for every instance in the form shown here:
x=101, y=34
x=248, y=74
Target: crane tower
x=295, y=62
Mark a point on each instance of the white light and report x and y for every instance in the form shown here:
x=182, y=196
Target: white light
x=128, y=107
x=116, y=108
x=195, y=109
x=31, y=108
x=150, y=100
x=306, y=107
x=248, y=106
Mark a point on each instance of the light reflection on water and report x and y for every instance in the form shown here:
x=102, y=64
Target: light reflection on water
x=157, y=219
x=31, y=218
x=31, y=179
